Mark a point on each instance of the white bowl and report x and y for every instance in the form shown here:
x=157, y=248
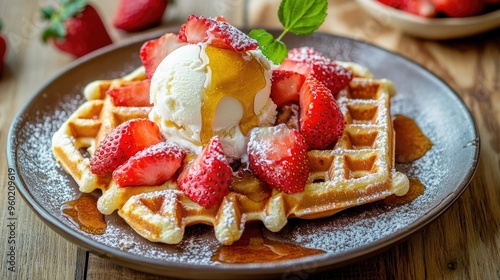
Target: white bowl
x=431, y=28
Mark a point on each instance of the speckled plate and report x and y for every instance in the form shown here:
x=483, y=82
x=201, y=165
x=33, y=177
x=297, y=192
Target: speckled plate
x=445, y=170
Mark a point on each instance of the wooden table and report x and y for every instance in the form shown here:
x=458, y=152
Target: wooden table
x=464, y=243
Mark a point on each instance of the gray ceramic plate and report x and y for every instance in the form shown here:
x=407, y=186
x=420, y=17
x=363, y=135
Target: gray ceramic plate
x=446, y=170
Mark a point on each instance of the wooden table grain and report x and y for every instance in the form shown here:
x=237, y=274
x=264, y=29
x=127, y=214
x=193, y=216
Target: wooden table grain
x=464, y=243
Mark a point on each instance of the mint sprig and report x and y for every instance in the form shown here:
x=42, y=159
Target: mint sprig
x=297, y=16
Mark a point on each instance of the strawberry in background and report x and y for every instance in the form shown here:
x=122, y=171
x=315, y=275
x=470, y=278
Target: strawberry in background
x=460, y=8
x=423, y=8
x=3, y=49
x=135, y=15
x=75, y=28
x=437, y=8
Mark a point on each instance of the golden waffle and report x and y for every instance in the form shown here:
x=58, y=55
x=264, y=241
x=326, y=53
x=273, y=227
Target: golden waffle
x=358, y=170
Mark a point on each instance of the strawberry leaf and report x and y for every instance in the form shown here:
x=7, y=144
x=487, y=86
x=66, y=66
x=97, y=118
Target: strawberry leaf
x=72, y=7
x=55, y=30
x=56, y=17
x=47, y=12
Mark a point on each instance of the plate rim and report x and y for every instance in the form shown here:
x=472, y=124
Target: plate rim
x=140, y=263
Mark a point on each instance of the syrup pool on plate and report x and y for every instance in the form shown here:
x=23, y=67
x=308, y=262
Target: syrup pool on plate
x=83, y=212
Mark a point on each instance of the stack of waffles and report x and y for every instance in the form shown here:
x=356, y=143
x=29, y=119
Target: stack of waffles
x=359, y=169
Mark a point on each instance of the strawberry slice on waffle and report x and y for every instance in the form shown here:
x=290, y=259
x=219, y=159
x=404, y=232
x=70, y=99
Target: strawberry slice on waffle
x=152, y=166
x=308, y=61
x=123, y=142
x=207, y=180
x=216, y=32
x=321, y=121
x=278, y=155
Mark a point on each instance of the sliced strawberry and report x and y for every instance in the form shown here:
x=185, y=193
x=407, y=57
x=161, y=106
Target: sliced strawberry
x=218, y=33
x=285, y=87
x=154, y=51
x=135, y=15
x=459, y=8
x=152, y=166
x=207, y=180
x=181, y=37
x=321, y=121
x=278, y=155
x=123, y=142
x=136, y=94
x=307, y=61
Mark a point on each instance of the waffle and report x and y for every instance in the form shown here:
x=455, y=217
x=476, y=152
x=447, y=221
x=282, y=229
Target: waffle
x=358, y=170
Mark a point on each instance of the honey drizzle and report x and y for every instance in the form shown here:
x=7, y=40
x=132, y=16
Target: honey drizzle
x=83, y=212
x=416, y=189
x=232, y=75
x=411, y=142
x=252, y=247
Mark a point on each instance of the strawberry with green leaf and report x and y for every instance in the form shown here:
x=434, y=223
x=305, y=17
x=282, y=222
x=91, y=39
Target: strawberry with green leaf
x=297, y=16
x=75, y=28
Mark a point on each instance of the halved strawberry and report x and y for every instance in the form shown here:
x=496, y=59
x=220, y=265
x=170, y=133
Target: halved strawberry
x=285, y=87
x=321, y=121
x=278, y=155
x=218, y=33
x=152, y=166
x=136, y=94
x=123, y=142
x=207, y=180
x=308, y=61
x=154, y=51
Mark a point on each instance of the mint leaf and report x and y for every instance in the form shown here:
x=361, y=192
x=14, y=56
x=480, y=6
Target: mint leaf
x=273, y=49
x=302, y=17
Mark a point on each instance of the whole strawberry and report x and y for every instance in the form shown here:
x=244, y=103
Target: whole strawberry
x=135, y=15
x=75, y=28
x=207, y=180
x=3, y=49
x=459, y=8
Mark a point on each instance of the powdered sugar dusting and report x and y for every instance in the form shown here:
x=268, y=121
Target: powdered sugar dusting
x=355, y=228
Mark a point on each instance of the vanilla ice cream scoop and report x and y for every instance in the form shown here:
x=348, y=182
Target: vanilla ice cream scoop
x=199, y=91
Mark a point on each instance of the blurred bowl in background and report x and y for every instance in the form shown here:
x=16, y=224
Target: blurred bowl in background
x=431, y=28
